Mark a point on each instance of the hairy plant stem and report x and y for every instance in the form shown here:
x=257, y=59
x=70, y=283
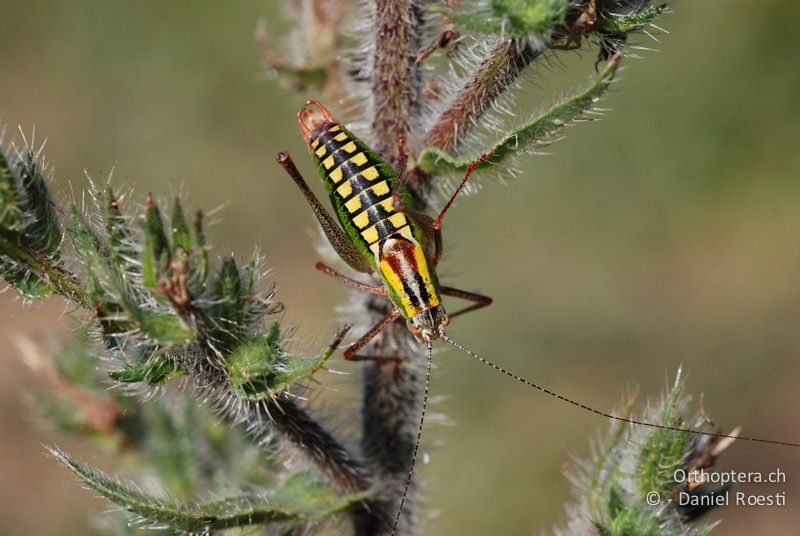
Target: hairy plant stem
x=391, y=390
x=62, y=281
x=344, y=472
x=395, y=82
x=494, y=75
x=389, y=418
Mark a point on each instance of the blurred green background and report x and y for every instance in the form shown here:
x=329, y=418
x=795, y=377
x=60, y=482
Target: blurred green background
x=667, y=234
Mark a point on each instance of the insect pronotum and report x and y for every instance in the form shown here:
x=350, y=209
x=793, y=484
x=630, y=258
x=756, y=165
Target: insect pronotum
x=380, y=233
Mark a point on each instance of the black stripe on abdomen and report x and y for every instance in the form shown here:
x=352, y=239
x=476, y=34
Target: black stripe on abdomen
x=377, y=213
x=369, y=198
x=357, y=185
x=327, y=139
x=351, y=169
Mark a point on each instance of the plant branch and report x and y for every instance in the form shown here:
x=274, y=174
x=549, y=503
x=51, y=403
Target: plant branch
x=64, y=282
x=299, y=498
x=395, y=77
x=345, y=473
x=391, y=391
x=499, y=70
x=535, y=132
x=161, y=316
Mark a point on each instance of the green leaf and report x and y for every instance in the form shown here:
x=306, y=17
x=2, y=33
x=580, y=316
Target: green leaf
x=78, y=363
x=164, y=327
x=42, y=230
x=662, y=451
x=155, y=371
x=601, y=472
x=30, y=232
x=512, y=18
x=118, y=236
x=85, y=241
x=261, y=369
x=29, y=284
x=300, y=498
x=9, y=197
x=60, y=412
x=226, y=321
x=436, y=161
x=88, y=246
x=25, y=281
x=636, y=19
x=201, y=248
x=615, y=503
x=181, y=238
x=113, y=294
x=310, y=499
x=156, y=247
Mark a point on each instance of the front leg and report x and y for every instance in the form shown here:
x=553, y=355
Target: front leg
x=437, y=224
x=350, y=353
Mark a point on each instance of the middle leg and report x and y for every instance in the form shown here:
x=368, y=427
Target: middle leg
x=378, y=290
x=480, y=301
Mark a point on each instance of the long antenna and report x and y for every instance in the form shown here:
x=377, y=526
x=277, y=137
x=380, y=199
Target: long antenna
x=419, y=436
x=604, y=414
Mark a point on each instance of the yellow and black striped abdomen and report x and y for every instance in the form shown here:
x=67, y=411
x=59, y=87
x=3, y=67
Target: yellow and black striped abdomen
x=360, y=186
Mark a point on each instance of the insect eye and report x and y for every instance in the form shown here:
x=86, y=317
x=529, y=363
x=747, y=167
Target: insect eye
x=445, y=320
x=415, y=329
